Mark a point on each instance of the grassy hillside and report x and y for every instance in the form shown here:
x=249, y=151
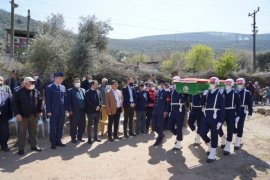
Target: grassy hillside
x=219, y=41
x=20, y=23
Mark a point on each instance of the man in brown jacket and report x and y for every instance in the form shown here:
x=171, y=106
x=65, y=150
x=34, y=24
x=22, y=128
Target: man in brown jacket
x=114, y=108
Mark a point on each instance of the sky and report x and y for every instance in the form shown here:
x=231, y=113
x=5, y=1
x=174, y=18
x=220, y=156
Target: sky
x=136, y=18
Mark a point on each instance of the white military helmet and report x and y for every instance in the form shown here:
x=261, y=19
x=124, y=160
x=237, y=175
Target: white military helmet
x=214, y=80
x=229, y=82
x=176, y=79
x=240, y=81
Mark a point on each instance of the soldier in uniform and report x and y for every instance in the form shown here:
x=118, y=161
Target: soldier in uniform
x=246, y=110
x=160, y=111
x=177, y=113
x=195, y=115
x=232, y=113
x=213, y=109
x=56, y=107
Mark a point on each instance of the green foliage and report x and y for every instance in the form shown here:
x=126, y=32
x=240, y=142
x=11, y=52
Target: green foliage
x=173, y=64
x=199, y=58
x=244, y=60
x=226, y=64
x=141, y=58
x=50, y=50
x=47, y=55
x=263, y=62
x=90, y=42
x=166, y=66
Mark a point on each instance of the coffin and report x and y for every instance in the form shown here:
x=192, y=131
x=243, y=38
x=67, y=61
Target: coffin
x=194, y=86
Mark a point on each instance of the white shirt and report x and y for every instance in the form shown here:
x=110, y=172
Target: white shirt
x=131, y=100
x=116, y=96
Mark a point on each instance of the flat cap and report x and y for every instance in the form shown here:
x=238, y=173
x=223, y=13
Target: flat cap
x=29, y=79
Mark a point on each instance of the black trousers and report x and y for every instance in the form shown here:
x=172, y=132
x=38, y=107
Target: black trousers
x=4, y=132
x=114, y=121
x=128, y=119
x=93, y=119
x=149, y=117
x=77, y=124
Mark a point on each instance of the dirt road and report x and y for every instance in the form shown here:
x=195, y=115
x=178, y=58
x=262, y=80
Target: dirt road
x=135, y=158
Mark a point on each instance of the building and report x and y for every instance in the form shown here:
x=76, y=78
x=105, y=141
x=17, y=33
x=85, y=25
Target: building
x=20, y=39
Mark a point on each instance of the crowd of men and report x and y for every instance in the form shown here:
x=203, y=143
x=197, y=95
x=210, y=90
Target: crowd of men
x=260, y=95
x=157, y=106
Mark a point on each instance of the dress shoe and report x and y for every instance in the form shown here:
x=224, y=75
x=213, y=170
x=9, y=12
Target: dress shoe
x=37, y=149
x=81, y=140
x=74, y=141
x=111, y=139
x=117, y=137
x=6, y=149
x=21, y=152
x=132, y=134
x=157, y=143
x=210, y=160
x=53, y=146
x=97, y=140
x=60, y=144
x=126, y=136
x=90, y=141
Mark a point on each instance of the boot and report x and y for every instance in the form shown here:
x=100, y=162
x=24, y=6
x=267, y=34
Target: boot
x=223, y=141
x=227, y=149
x=237, y=143
x=197, y=140
x=177, y=146
x=212, y=156
x=209, y=148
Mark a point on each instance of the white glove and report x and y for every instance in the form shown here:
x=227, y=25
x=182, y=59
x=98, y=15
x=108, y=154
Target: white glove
x=248, y=117
x=236, y=122
x=218, y=125
x=205, y=92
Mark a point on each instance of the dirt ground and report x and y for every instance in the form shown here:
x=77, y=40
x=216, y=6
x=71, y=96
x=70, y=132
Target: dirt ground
x=136, y=158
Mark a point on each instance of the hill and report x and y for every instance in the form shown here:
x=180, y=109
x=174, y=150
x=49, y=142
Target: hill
x=20, y=23
x=219, y=41
x=158, y=44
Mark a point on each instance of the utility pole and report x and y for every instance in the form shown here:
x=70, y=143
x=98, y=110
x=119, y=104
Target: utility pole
x=254, y=32
x=28, y=27
x=13, y=6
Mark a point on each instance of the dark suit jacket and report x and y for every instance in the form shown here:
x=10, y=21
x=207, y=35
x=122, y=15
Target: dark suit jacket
x=141, y=101
x=56, y=99
x=12, y=83
x=5, y=107
x=73, y=102
x=85, y=85
x=126, y=96
x=22, y=103
x=93, y=99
